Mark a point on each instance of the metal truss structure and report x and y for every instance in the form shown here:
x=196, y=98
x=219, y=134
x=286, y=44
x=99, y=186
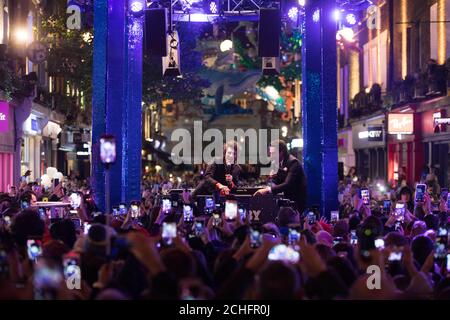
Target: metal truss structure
x=198, y=11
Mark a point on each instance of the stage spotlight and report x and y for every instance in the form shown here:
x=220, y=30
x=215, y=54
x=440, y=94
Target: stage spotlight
x=351, y=19
x=21, y=35
x=337, y=14
x=213, y=7
x=293, y=13
x=346, y=34
x=316, y=15
x=226, y=45
x=136, y=6
x=301, y=3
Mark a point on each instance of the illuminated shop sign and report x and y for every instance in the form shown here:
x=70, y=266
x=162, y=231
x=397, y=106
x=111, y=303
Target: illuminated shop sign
x=4, y=116
x=400, y=123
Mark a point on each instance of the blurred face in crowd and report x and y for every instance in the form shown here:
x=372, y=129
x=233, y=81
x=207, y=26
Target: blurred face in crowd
x=33, y=199
x=229, y=155
x=430, y=190
x=12, y=191
x=405, y=197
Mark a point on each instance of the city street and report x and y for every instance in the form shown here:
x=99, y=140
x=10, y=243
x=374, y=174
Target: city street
x=224, y=150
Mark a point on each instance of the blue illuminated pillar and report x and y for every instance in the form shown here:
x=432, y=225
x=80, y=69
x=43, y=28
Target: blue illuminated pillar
x=116, y=91
x=132, y=120
x=99, y=98
x=117, y=96
x=320, y=104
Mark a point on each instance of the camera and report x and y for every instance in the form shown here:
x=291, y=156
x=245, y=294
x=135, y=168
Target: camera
x=188, y=215
x=34, y=249
x=282, y=252
x=209, y=204
x=365, y=196
x=293, y=236
x=255, y=237
x=231, y=209
x=135, y=209
x=387, y=206
x=107, y=149
x=169, y=232
x=311, y=217
x=400, y=211
x=122, y=209
x=441, y=244
x=396, y=254
x=353, y=237
x=199, y=227
x=77, y=223
x=242, y=212
x=216, y=219
x=75, y=200
x=379, y=243
x=334, y=217
x=115, y=211
x=420, y=192
x=71, y=263
x=24, y=205
x=166, y=205
x=86, y=227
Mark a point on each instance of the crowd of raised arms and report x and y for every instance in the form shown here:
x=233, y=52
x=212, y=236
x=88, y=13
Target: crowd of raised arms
x=149, y=249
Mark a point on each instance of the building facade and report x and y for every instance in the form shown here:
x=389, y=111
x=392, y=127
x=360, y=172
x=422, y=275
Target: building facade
x=396, y=67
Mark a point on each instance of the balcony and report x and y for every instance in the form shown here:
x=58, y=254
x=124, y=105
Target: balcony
x=417, y=87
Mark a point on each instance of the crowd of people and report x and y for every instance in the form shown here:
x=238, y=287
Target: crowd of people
x=136, y=254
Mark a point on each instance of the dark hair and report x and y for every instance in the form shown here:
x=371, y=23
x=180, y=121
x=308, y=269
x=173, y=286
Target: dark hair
x=27, y=224
x=348, y=249
x=285, y=216
x=421, y=247
x=405, y=190
x=432, y=221
x=179, y=263
x=26, y=196
x=344, y=268
x=375, y=224
x=64, y=231
x=341, y=229
x=282, y=147
x=353, y=222
x=394, y=238
x=278, y=281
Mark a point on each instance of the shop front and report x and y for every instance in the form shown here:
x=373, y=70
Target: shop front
x=436, y=138
x=6, y=146
x=74, y=151
x=40, y=136
x=346, y=155
x=370, y=148
x=405, y=147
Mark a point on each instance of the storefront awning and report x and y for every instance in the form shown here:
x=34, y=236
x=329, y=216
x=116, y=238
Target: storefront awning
x=51, y=130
